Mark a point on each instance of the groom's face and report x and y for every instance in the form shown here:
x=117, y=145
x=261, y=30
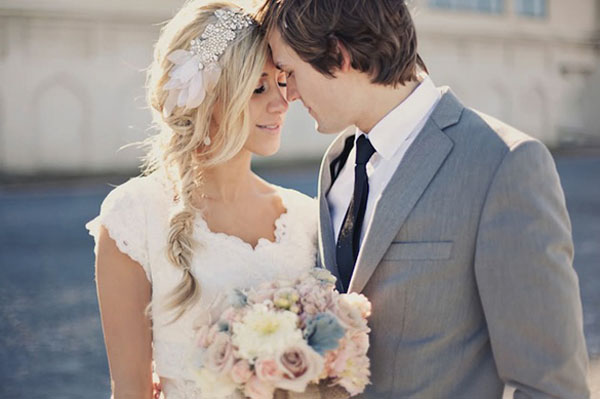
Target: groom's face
x=324, y=97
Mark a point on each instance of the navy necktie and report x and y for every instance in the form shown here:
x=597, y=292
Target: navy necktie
x=348, y=243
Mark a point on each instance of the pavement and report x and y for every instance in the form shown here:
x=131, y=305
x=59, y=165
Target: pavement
x=51, y=343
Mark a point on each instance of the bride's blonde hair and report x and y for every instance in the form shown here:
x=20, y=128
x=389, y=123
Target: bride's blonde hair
x=179, y=147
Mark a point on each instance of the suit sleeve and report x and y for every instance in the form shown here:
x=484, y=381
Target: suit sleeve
x=527, y=284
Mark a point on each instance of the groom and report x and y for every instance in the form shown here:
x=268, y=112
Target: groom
x=452, y=223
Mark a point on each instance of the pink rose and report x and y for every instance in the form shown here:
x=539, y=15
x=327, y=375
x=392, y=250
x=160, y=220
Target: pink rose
x=206, y=335
x=300, y=365
x=257, y=389
x=219, y=355
x=349, y=310
x=268, y=370
x=240, y=372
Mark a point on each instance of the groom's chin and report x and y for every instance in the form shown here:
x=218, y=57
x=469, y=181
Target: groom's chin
x=324, y=129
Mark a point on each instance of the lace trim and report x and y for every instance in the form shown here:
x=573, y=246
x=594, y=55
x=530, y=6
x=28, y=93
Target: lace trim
x=183, y=389
x=280, y=231
x=124, y=223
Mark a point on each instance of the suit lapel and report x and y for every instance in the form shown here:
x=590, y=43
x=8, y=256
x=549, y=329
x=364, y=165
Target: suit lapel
x=328, y=172
x=421, y=162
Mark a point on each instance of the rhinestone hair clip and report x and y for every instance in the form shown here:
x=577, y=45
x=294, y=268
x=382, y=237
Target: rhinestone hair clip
x=197, y=70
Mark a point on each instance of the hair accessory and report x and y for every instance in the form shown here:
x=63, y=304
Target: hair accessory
x=197, y=70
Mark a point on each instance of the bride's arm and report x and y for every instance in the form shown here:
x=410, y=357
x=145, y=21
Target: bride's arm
x=123, y=293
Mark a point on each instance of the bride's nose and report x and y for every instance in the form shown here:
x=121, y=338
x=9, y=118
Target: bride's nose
x=278, y=103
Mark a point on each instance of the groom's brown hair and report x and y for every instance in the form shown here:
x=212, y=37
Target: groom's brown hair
x=379, y=35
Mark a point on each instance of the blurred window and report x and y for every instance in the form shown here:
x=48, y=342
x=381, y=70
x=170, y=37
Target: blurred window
x=488, y=6
x=531, y=8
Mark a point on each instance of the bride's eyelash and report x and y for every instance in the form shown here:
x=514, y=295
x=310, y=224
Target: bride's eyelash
x=259, y=90
x=282, y=84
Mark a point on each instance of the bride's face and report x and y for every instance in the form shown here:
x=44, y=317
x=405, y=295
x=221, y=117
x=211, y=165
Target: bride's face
x=268, y=106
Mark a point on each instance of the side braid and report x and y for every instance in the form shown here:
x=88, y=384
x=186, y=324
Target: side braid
x=181, y=244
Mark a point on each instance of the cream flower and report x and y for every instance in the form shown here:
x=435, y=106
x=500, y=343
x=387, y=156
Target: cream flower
x=352, y=310
x=264, y=332
x=213, y=385
x=355, y=376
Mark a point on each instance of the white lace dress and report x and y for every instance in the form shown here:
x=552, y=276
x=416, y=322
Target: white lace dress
x=136, y=215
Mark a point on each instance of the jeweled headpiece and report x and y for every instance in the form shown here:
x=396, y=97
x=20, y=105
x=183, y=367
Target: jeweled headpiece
x=197, y=70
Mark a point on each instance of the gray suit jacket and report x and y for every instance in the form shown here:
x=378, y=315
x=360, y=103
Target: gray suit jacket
x=468, y=265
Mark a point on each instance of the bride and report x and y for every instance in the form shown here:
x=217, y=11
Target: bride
x=198, y=222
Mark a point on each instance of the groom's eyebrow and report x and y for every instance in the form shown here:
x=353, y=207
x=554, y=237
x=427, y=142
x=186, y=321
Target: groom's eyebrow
x=280, y=66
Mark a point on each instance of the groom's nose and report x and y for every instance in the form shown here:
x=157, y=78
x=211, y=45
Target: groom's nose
x=292, y=91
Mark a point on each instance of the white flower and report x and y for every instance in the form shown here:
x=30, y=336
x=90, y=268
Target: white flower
x=352, y=310
x=264, y=332
x=213, y=385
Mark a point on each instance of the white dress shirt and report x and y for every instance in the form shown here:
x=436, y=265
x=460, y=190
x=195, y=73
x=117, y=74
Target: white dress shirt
x=391, y=137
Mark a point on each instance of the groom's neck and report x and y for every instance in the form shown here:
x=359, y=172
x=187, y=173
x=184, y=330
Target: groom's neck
x=379, y=101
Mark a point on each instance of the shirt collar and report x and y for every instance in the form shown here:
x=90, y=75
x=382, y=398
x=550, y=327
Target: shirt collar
x=396, y=126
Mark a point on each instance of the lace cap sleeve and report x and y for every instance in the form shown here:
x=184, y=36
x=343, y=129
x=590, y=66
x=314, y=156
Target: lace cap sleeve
x=306, y=214
x=122, y=214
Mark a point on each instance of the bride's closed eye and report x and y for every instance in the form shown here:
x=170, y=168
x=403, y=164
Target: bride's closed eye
x=262, y=88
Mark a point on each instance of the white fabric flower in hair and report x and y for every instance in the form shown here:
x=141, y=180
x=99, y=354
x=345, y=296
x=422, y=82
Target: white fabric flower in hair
x=188, y=83
x=197, y=71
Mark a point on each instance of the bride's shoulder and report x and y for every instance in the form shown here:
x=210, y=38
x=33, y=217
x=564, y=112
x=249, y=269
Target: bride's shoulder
x=139, y=190
x=299, y=202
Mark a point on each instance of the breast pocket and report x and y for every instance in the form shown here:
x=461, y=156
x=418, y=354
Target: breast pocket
x=434, y=250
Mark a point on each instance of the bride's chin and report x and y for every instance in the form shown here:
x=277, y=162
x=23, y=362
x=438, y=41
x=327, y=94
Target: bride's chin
x=267, y=153
x=265, y=150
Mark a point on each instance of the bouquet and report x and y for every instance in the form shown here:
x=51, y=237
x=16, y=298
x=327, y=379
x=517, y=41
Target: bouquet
x=285, y=335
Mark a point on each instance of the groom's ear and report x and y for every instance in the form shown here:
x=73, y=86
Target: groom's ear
x=344, y=58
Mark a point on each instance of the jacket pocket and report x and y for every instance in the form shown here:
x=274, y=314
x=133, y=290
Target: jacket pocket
x=435, y=250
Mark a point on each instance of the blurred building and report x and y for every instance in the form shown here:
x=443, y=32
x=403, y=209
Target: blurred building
x=72, y=75
x=532, y=63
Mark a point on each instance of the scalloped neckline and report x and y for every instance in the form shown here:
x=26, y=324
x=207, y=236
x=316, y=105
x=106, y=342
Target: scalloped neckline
x=278, y=231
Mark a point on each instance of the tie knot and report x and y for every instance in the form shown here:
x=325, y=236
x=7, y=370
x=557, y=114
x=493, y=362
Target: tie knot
x=364, y=150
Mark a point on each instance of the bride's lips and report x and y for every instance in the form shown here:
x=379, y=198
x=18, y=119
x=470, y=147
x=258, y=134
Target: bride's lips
x=270, y=128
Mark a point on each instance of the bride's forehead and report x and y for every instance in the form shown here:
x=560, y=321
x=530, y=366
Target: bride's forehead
x=270, y=67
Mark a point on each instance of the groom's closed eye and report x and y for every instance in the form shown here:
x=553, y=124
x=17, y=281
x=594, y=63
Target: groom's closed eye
x=283, y=69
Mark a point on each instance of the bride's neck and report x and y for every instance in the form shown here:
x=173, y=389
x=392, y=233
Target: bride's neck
x=230, y=181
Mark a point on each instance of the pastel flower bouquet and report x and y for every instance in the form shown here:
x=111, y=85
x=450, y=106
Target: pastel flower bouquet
x=285, y=335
